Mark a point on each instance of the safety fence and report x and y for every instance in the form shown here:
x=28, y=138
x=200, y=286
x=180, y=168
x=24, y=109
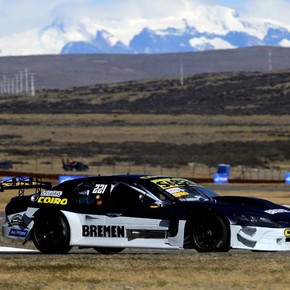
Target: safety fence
x=190, y=171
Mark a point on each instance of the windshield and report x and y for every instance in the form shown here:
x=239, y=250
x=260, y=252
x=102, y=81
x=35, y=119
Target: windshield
x=183, y=189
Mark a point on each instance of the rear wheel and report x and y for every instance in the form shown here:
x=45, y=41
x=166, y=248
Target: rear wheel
x=109, y=251
x=51, y=233
x=211, y=234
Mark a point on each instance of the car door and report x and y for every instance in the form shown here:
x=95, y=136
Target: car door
x=137, y=218
x=87, y=216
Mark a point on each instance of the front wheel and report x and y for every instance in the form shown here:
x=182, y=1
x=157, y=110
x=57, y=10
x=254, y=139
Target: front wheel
x=211, y=234
x=51, y=233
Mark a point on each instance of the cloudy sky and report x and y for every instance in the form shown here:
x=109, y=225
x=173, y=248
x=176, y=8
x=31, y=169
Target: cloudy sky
x=20, y=15
x=22, y=18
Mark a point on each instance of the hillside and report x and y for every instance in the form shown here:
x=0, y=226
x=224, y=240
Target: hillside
x=252, y=93
x=68, y=71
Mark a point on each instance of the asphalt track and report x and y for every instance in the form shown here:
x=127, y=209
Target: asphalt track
x=11, y=250
x=75, y=251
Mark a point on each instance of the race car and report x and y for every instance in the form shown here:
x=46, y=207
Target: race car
x=71, y=165
x=112, y=213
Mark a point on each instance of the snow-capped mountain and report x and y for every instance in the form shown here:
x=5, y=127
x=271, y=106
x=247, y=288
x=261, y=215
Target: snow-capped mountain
x=217, y=32
x=198, y=28
x=171, y=40
x=100, y=44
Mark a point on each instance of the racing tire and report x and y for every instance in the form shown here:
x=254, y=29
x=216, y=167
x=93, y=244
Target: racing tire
x=108, y=251
x=211, y=234
x=51, y=234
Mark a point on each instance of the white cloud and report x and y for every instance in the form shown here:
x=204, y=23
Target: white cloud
x=21, y=20
x=273, y=10
x=26, y=45
x=216, y=43
x=285, y=43
x=20, y=15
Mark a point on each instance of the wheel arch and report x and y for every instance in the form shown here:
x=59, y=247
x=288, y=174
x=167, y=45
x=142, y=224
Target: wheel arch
x=45, y=213
x=195, y=217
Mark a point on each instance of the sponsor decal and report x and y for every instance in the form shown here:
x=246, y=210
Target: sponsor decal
x=164, y=183
x=278, y=210
x=103, y=231
x=100, y=188
x=180, y=194
x=51, y=193
x=177, y=192
x=18, y=233
x=16, y=220
x=52, y=200
x=174, y=190
x=168, y=183
x=287, y=233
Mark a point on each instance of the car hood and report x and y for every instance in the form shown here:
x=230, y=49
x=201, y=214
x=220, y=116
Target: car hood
x=261, y=207
x=246, y=201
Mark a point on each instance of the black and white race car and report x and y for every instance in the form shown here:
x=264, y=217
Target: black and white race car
x=111, y=213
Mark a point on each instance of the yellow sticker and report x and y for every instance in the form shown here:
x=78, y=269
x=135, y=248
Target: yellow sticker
x=165, y=183
x=52, y=200
x=181, y=193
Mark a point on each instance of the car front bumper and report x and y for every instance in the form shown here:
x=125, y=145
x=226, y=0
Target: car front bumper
x=260, y=238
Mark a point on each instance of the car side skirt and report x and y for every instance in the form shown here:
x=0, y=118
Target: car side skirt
x=123, y=232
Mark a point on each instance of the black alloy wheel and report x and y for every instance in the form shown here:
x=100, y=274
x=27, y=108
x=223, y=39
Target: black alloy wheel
x=211, y=234
x=51, y=233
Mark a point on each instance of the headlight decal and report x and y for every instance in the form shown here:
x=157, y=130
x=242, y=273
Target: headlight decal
x=254, y=220
x=278, y=210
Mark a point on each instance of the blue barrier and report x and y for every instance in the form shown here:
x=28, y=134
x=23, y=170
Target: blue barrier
x=287, y=177
x=63, y=178
x=5, y=178
x=223, y=174
x=220, y=178
x=224, y=169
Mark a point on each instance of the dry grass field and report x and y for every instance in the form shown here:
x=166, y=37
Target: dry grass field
x=119, y=143
x=155, y=270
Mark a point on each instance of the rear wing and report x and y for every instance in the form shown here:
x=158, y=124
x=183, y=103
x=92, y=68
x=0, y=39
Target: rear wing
x=22, y=183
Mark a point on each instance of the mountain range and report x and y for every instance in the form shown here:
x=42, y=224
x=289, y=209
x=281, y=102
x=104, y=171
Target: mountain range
x=172, y=40
x=222, y=29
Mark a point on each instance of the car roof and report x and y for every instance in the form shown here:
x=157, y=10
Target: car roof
x=139, y=178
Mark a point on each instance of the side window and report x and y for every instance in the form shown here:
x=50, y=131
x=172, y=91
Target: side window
x=91, y=193
x=125, y=196
x=84, y=188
